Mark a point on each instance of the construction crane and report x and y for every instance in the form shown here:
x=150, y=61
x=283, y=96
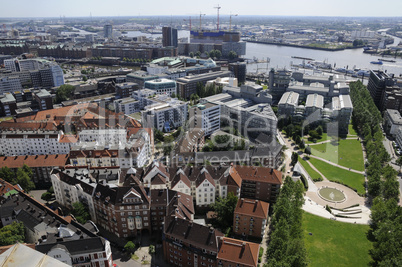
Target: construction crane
x=217, y=25
x=189, y=19
x=200, y=19
x=230, y=25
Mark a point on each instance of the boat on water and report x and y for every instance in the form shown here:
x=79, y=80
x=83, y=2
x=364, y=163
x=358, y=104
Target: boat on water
x=379, y=62
x=387, y=60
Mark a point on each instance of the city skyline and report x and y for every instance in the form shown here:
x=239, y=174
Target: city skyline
x=74, y=8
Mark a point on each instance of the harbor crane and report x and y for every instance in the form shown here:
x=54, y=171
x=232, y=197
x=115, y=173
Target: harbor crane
x=217, y=25
x=200, y=19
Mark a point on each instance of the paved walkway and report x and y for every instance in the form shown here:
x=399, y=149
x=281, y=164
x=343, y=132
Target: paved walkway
x=330, y=140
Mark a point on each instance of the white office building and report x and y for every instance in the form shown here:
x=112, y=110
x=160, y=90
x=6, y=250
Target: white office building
x=205, y=116
x=162, y=86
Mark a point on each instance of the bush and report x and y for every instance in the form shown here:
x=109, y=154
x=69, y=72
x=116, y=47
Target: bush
x=328, y=209
x=304, y=181
x=260, y=253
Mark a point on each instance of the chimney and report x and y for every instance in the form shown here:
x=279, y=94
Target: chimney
x=255, y=205
x=272, y=171
x=243, y=246
x=241, y=203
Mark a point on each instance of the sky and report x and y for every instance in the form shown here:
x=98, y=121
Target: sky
x=83, y=8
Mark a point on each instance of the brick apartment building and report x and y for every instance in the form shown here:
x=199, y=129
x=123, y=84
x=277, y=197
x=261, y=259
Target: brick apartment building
x=239, y=253
x=250, y=217
x=189, y=244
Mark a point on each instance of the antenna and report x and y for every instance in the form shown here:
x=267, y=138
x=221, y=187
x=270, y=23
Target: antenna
x=200, y=19
x=217, y=25
x=230, y=26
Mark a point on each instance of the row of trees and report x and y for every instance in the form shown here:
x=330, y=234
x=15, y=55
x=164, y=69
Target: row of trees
x=224, y=143
x=22, y=177
x=386, y=215
x=286, y=246
x=214, y=54
x=204, y=91
x=136, y=60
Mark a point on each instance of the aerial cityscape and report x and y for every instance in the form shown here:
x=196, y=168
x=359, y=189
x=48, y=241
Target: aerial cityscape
x=201, y=134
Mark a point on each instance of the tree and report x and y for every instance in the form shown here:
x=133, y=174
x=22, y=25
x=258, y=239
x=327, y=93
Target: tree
x=64, y=92
x=295, y=158
x=224, y=208
x=151, y=249
x=24, y=179
x=129, y=247
x=307, y=150
x=84, y=78
x=7, y=174
x=158, y=135
x=399, y=163
x=80, y=212
x=319, y=130
x=12, y=233
x=232, y=55
x=191, y=54
x=46, y=196
x=198, y=54
x=218, y=54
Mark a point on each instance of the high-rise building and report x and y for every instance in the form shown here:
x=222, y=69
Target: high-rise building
x=108, y=31
x=169, y=36
x=377, y=84
x=239, y=71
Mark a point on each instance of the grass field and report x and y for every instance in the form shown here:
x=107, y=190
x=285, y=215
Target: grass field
x=335, y=243
x=351, y=130
x=313, y=174
x=335, y=174
x=346, y=152
x=324, y=137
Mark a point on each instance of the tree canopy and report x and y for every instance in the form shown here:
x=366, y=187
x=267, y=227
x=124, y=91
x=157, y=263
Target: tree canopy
x=224, y=209
x=64, y=92
x=80, y=212
x=12, y=233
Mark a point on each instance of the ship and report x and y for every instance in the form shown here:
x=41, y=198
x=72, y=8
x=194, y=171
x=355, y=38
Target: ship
x=379, y=62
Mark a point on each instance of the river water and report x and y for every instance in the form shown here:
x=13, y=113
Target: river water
x=281, y=56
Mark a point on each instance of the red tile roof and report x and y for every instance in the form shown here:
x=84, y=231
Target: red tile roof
x=259, y=174
x=68, y=138
x=34, y=161
x=238, y=252
x=252, y=207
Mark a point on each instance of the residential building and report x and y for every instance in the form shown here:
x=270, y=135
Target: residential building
x=166, y=114
x=169, y=36
x=250, y=218
x=22, y=255
x=314, y=106
x=162, y=86
x=108, y=31
x=140, y=77
x=125, y=89
x=44, y=99
x=398, y=136
x=288, y=103
x=205, y=117
x=279, y=81
x=123, y=210
x=8, y=104
x=127, y=105
x=186, y=243
x=259, y=183
x=233, y=252
x=93, y=251
x=377, y=84
x=187, y=86
x=41, y=166
x=10, y=84
x=392, y=121
x=191, y=141
x=239, y=71
x=242, y=113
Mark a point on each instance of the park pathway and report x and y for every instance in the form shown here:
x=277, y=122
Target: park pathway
x=337, y=165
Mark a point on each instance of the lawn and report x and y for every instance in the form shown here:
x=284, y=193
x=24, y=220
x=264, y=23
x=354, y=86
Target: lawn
x=313, y=174
x=335, y=243
x=351, y=130
x=335, y=174
x=346, y=152
x=324, y=137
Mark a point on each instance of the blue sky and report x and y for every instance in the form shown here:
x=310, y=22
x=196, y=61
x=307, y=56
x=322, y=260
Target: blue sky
x=79, y=8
